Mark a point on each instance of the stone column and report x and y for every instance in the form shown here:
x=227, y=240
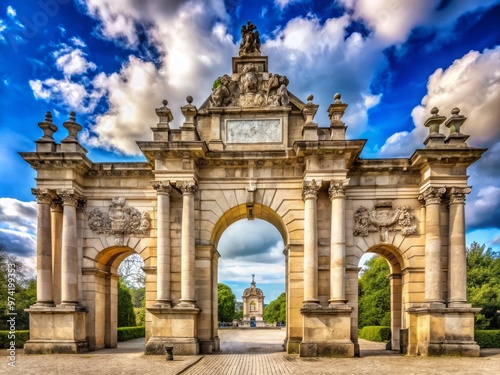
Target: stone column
x=69, y=260
x=310, y=191
x=433, y=264
x=80, y=217
x=44, y=249
x=337, y=242
x=457, y=267
x=56, y=217
x=163, y=190
x=188, y=189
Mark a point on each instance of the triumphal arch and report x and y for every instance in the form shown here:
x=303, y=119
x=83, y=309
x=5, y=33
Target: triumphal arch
x=252, y=150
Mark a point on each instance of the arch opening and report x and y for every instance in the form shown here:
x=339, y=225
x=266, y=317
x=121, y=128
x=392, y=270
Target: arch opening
x=380, y=300
x=248, y=250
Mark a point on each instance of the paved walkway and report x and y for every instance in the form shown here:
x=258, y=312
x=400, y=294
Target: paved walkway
x=248, y=352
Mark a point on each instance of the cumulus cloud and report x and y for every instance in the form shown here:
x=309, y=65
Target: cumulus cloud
x=74, y=62
x=255, y=240
x=18, y=215
x=484, y=210
x=11, y=12
x=18, y=227
x=471, y=83
x=393, y=21
x=342, y=64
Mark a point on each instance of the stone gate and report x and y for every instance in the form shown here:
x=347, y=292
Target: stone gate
x=252, y=150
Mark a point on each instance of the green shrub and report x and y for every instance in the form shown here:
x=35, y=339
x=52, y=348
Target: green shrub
x=21, y=338
x=488, y=338
x=129, y=333
x=375, y=333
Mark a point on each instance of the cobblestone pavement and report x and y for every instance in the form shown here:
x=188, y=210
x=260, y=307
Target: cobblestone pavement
x=249, y=352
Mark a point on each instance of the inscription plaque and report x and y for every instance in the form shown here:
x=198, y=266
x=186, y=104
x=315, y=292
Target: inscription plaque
x=254, y=131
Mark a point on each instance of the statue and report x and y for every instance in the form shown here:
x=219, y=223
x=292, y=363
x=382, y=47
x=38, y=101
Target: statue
x=250, y=40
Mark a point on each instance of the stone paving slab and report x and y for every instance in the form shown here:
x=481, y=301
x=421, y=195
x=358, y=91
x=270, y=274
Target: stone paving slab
x=251, y=352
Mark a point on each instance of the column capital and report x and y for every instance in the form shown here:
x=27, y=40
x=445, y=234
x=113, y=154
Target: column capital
x=337, y=188
x=56, y=205
x=187, y=187
x=162, y=187
x=432, y=195
x=310, y=189
x=69, y=197
x=457, y=194
x=43, y=196
x=81, y=204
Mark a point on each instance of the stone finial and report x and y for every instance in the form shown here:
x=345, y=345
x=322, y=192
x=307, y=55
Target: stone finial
x=189, y=99
x=73, y=128
x=310, y=98
x=165, y=115
x=189, y=111
x=434, y=122
x=455, y=121
x=48, y=127
x=336, y=111
x=435, y=138
x=456, y=138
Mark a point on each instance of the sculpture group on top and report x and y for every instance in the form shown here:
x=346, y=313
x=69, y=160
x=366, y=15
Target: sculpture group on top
x=250, y=87
x=250, y=40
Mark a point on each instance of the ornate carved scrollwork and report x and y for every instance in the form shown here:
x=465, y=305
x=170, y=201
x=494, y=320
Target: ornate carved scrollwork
x=187, y=187
x=337, y=188
x=120, y=220
x=383, y=219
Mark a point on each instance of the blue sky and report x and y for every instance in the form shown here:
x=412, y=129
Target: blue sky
x=113, y=62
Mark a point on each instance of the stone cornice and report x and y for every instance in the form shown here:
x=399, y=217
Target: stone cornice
x=446, y=156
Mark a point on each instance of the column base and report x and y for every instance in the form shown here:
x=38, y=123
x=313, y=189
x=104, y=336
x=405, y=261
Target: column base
x=56, y=330
x=175, y=327
x=182, y=345
x=327, y=332
x=442, y=331
x=292, y=345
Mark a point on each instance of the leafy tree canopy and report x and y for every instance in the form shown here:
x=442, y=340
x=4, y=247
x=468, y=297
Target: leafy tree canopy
x=226, y=303
x=126, y=314
x=275, y=312
x=374, y=300
x=483, y=284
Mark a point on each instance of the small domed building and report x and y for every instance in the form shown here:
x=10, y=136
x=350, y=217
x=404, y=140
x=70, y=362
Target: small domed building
x=253, y=306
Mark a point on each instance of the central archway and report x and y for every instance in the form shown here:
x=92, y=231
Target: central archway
x=237, y=216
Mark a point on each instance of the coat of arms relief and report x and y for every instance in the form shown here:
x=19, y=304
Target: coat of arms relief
x=384, y=219
x=120, y=220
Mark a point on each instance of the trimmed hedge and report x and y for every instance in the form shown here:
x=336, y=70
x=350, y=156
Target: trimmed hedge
x=129, y=333
x=21, y=338
x=487, y=338
x=375, y=333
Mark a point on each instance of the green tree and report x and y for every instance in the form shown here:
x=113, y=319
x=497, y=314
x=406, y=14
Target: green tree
x=483, y=285
x=374, y=299
x=226, y=303
x=275, y=312
x=126, y=315
x=15, y=283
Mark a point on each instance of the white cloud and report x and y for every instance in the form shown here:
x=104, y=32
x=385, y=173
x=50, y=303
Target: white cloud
x=18, y=221
x=78, y=42
x=73, y=95
x=74, y=63
x=471, y=83
x=11, y=12
x=393, y=20
x=484, y=210
x=282, y=4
